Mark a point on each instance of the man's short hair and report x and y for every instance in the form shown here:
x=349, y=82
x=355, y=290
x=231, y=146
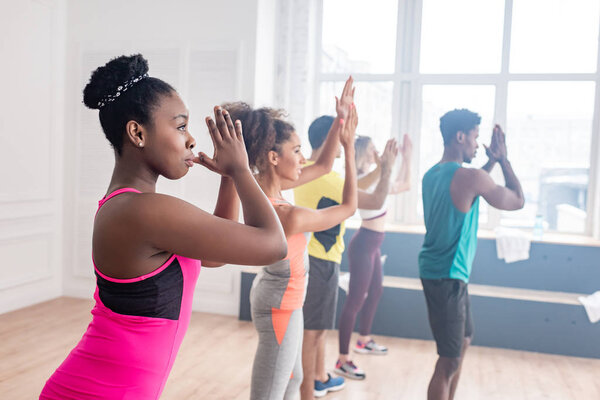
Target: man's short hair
x=317, y=131
x=458, y=120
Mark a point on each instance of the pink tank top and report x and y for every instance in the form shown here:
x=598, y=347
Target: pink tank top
x=137, y=327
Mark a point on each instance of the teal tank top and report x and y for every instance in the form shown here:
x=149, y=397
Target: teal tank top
x=451, y=237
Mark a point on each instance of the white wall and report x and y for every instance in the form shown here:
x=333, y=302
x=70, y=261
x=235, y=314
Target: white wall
x=59, y=161
x=31, y=134
x=266, y=39
x=207, y=50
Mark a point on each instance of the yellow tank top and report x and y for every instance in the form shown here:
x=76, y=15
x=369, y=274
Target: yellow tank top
x=323, y=192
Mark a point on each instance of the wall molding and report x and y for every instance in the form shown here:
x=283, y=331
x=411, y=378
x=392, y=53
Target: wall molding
x=45, y=274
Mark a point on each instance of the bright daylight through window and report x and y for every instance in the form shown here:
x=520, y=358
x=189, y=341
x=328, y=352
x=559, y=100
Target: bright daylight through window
x=415, y=60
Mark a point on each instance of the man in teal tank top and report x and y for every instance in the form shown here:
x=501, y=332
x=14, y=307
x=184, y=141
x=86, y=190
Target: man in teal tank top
x=451, y=209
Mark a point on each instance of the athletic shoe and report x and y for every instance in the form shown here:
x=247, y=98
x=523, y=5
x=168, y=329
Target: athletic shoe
x=370, y=348
x=332, y=384
x=349, y=370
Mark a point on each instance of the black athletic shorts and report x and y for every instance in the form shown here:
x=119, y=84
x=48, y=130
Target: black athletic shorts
x=449, y=310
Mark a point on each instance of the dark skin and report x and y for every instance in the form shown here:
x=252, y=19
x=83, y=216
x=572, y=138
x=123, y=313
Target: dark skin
x=136, y=233
x=467, y=184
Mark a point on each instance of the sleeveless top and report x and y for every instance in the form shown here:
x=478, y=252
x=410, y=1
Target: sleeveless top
x=451, y=238
x=137, y=327
x=282, y=285
x=323, y=192
x=367, y=215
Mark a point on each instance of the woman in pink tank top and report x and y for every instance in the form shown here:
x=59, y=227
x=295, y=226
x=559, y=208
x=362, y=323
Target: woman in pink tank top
x=147, y=246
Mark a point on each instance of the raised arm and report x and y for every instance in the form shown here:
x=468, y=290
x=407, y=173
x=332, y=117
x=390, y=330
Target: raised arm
x=368, y=180
x=375, y=200
x=173, y=225
x=228, y=207
x=228, y=201
x=489, y=165
x=501, y=197
x=324, y=162
x=402, y=182
x=510, y=178
x=492, y=151
x=299, y=219
x=477, y=182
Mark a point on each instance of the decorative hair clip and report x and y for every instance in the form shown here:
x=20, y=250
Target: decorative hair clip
x=122, y=88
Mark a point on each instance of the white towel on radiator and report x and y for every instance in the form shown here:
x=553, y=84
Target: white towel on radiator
x=592, y=306
x=344, y=282
x=512, y=244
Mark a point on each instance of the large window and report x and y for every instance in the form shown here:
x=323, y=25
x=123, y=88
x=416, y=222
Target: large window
x=414, y=60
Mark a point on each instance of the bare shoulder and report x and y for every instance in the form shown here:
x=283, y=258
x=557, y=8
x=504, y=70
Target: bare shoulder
x=471, y=177
x=466, y=185
x=287, y=213
x=144, y=210
x=469, y=173
x=291, y=217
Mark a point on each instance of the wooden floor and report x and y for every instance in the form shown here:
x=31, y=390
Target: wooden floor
x=215, y=361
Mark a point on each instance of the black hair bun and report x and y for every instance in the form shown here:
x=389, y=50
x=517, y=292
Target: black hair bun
x=106, y=79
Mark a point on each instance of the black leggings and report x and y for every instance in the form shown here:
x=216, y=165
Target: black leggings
x=366, y=284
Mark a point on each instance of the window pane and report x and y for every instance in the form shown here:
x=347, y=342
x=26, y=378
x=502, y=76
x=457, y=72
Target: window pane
x=439, y=99
x=373, y=103
x=462, y=36
x=548, y=138
x=554, y=36
x=359, y=36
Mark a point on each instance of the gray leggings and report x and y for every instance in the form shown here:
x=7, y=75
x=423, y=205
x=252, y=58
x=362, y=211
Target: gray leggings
x=277, y=369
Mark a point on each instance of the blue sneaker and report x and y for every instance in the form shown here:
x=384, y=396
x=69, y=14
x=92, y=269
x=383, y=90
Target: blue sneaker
x=332, y=384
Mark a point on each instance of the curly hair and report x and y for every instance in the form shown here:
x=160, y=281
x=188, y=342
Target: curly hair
x=137, y=103
x=264, y=130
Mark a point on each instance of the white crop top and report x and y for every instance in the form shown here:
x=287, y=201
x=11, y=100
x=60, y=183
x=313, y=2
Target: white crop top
x=366, y=215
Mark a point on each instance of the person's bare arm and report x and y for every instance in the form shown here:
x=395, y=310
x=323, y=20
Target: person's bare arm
x=492, y=150
x=324, y=162
x=300, y=219
x=469, y=183
x=228, y=202
x=512, y=183
x=509, y=197
x=375, y=200
x=402, y=182
x=368, y=180
x=175, y=226
x=489, y=165
x=516, y=200
x=228, y=207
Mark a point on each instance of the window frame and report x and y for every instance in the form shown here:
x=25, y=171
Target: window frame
x=408, y=83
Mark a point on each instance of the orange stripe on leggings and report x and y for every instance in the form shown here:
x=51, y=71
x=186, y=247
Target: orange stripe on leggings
x=281, y=319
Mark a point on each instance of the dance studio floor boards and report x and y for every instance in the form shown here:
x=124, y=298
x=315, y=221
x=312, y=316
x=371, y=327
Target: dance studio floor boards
x=215, y=362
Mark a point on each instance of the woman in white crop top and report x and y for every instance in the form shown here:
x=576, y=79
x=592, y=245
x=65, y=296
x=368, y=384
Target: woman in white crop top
x=364, y=254
x=375, y=186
